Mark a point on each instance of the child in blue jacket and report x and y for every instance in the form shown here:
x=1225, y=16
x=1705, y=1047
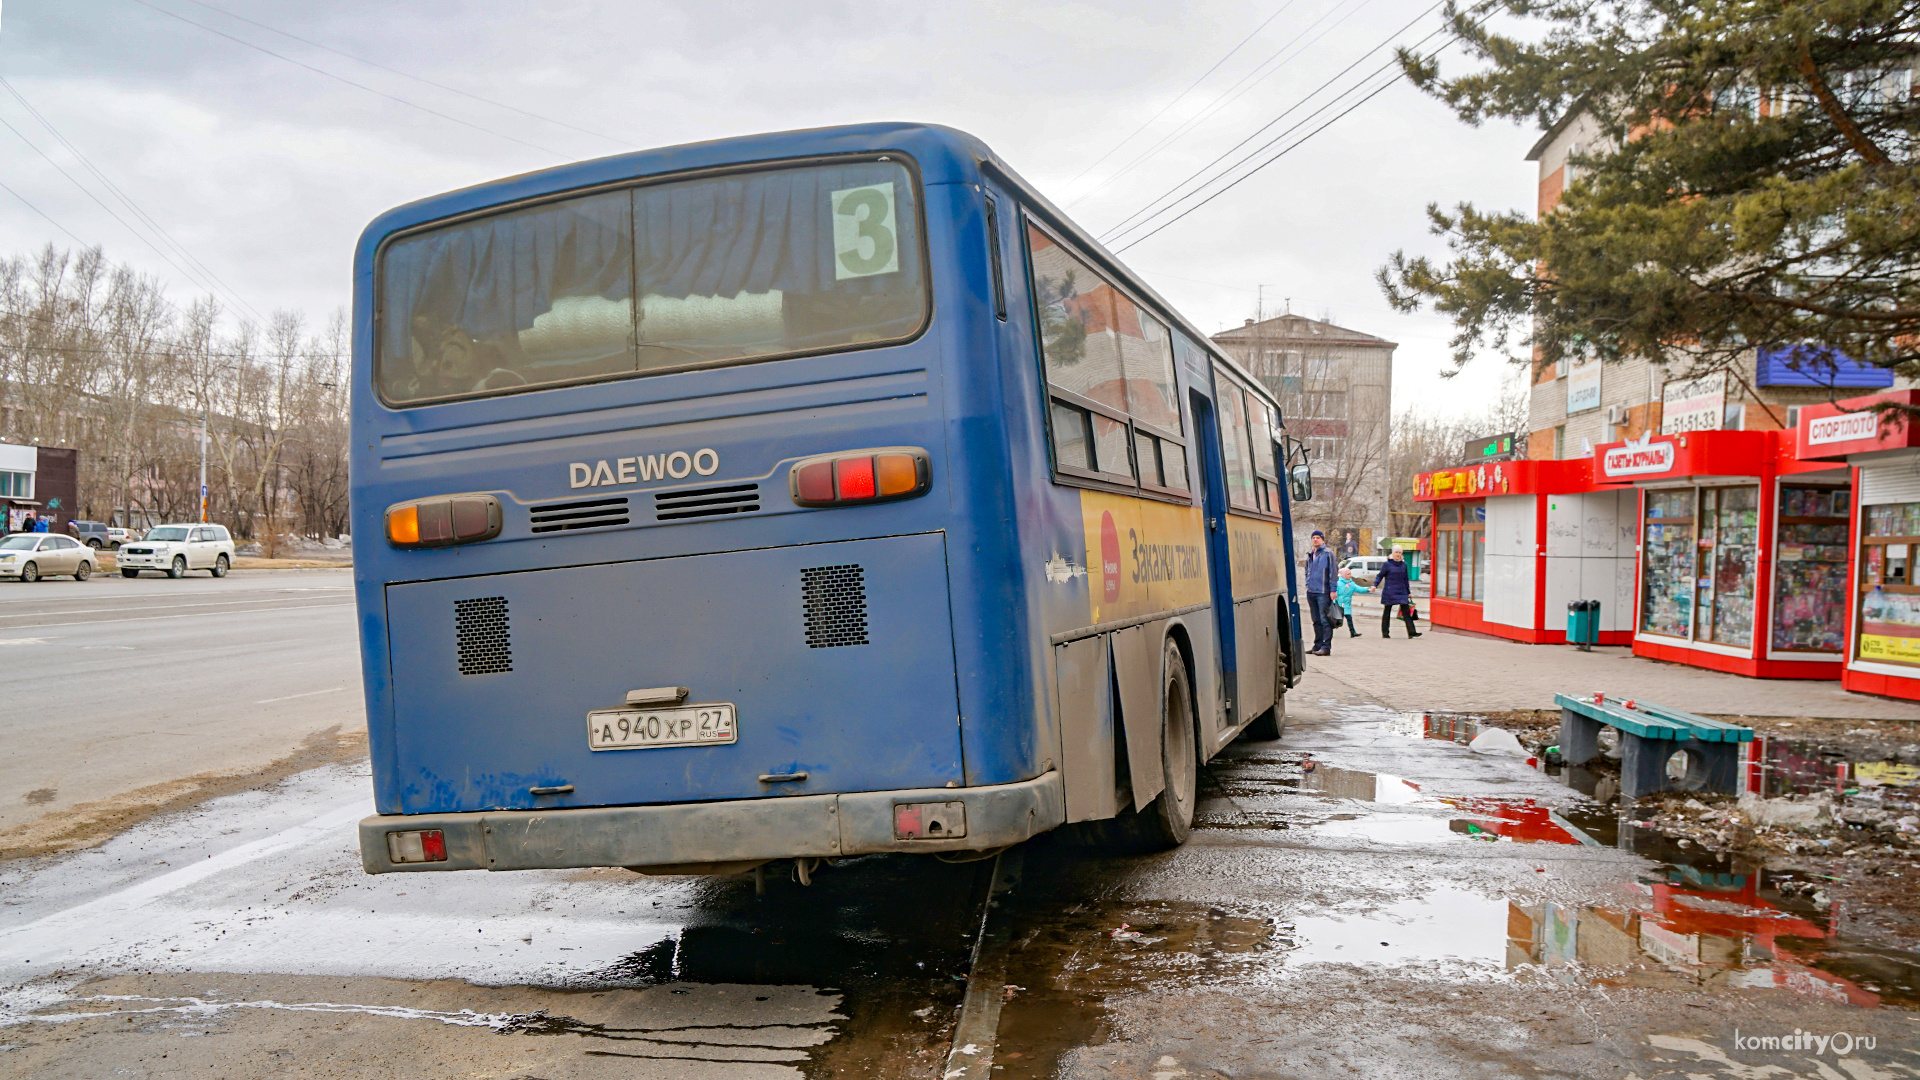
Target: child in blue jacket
x=1343, y=595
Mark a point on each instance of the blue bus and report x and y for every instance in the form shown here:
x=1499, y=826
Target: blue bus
x=795, y=497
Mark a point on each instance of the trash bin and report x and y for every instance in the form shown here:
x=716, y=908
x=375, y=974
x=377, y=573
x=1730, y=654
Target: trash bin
x=1583, y=624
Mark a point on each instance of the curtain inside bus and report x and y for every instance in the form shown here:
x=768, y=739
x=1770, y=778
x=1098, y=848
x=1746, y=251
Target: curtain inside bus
x=729, y=267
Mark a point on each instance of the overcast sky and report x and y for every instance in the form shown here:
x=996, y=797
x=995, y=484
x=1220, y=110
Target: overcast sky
x=266, y=171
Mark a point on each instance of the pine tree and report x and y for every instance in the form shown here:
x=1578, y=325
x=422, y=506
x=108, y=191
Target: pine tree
x=1755, y=183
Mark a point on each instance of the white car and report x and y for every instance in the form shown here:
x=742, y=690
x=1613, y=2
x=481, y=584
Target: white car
x=176, y=549
x=32, y=556
x=1365, y=568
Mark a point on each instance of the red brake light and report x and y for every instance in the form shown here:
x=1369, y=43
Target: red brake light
x=424, y=845
x=861, y=476
x=853, y=478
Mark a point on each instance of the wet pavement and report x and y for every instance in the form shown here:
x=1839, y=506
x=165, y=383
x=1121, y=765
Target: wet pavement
x=1358, y=899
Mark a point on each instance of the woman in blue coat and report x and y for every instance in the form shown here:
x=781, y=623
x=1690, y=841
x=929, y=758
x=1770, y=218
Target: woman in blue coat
x=1394, y=589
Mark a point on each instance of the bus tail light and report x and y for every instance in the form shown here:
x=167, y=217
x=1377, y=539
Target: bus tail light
x=861, y=476
x=442, y=522
x=426, y=845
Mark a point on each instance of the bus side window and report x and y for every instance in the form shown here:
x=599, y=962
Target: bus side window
x=1112, y=402
x=993, y=258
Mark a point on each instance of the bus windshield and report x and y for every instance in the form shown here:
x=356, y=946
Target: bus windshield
x=661, y=277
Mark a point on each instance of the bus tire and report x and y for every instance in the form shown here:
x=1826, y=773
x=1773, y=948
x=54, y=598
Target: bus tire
x=1272, y=724
x=1167, y=821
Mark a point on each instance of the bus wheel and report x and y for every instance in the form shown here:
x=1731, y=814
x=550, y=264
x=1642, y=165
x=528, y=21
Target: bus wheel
x=1272, y=724
x=1168, y=820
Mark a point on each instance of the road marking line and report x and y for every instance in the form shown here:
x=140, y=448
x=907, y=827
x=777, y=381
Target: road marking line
x=290, y=697
x=149, y=607
x=977, y=1033
x=158, y=618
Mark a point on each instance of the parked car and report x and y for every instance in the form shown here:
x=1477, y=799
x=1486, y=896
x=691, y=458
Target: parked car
x=117, y=536
x=1365, y=568
x=94, y=534
x=176, y=549
x=32, y=556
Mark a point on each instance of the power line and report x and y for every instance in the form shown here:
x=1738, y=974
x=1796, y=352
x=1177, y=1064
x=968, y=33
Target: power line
x=142, y=237
x=128, y=202
x=1119, y=227
x=624, y=143
x=1235, y=92
x=1183, y=94
x=1377, y=91
x=42, y=213
x=349, y=82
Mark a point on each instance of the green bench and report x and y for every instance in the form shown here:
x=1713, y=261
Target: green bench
x=1650, y=736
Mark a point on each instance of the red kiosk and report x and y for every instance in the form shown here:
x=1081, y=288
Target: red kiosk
x=1514, y=542
x=1742, y=551
x=1881, y=616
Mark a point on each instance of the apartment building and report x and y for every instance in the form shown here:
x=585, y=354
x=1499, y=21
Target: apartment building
x=1335, y=388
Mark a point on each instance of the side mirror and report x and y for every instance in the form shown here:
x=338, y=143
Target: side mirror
x=1301, y=487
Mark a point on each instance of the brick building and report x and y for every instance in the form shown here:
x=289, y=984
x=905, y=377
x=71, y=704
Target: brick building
x=1335, y=388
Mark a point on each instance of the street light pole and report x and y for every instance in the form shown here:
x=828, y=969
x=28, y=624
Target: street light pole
x=203, y=464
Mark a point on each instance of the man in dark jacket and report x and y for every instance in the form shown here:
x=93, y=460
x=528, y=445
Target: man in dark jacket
x=1322, y=584
x=1394, y=589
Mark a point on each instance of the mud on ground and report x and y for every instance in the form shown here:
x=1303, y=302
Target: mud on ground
x=90, y=824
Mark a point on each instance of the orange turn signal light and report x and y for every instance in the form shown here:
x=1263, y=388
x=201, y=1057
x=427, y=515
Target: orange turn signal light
x=443, y=521
x=403, y=526
x=861, y=476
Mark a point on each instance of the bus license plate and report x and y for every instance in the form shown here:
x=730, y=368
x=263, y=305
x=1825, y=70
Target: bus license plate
x=645, y=729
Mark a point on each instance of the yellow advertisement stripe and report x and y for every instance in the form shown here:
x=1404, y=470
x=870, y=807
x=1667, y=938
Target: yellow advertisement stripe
x=1143, y=556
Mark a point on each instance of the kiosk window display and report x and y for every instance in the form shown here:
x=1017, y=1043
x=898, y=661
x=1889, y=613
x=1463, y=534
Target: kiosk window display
x=1729, y=545
x=1890, y=602
x=1460, y=551
x=1700, y=548
x=1810, y=569
x=1666, y=599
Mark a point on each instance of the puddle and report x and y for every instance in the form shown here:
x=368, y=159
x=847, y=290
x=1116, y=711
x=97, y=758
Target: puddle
x=1068, y=956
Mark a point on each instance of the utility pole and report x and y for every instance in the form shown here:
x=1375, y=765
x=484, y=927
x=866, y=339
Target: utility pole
x=203, y=463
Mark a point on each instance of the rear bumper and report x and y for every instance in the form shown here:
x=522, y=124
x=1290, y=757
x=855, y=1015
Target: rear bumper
x=811, y=826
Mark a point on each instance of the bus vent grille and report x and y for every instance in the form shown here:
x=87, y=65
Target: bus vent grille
x=486, y=646
x=589, y=514
x=836, y=598
x=707, y=502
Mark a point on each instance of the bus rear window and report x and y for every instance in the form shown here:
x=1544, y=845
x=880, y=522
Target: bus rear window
x=663, y=277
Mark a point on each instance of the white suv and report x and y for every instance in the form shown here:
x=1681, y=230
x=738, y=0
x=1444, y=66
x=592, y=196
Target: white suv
x=177, y=549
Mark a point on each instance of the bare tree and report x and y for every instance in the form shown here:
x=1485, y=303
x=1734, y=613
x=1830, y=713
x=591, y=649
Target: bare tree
x=94, y=356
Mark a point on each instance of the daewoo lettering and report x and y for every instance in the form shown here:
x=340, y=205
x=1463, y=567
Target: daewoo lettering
x=635, y=470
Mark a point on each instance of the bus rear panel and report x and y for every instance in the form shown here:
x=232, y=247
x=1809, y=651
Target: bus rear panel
x=705, y=517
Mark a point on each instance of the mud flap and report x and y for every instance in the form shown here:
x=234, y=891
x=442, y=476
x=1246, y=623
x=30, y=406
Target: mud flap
x=1135, y=663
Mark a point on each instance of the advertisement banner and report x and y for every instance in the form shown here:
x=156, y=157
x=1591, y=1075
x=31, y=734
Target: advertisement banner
x=1898, y=650
x=1847, y=427
x=1637, y=459
x=1698, y=404
x=1583, y=386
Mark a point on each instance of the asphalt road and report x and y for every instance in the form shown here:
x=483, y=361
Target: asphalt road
x=114, y=685
x=1404, y=907
x=1356, y=900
